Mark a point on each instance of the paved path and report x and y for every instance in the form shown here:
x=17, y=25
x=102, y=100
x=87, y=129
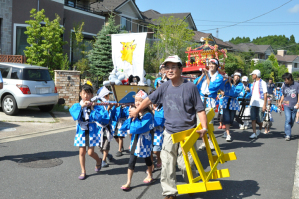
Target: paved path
x=265, y=169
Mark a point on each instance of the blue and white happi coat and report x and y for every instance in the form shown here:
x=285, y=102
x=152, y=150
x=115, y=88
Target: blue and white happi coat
x=121, y=116
x=278, y=94
x=210, y=102
x=141, y=127
x=232, y=92
x=158, y=126
x=95, y=115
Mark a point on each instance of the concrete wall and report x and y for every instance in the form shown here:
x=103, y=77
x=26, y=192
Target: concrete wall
x=5, y=26
x=68, y=89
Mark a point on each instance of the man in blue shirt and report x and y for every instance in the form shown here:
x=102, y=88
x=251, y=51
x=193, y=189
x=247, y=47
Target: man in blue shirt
x=271, y=87
x=290, y=101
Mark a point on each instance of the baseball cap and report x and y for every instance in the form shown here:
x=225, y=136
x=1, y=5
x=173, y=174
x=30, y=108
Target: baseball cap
x=173, y=59
x=256, y=72
x=161, y=66
x=244, y=79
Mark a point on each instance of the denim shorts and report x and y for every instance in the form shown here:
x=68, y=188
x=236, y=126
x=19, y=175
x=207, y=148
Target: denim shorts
x=157, y=148
x=256, y=113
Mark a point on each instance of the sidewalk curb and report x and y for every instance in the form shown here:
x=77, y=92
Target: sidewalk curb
x=36, y=134
x=295, y=194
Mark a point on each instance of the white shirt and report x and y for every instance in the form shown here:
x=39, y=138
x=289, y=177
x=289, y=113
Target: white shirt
x=255, y=98
x=205, y=86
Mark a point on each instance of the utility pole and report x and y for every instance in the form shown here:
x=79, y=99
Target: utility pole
x=217, y=33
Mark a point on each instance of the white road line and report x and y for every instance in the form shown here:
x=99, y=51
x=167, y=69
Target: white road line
x=295, y=194
x=36, y=134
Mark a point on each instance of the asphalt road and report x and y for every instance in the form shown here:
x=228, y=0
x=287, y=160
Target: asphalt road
x=264, y=169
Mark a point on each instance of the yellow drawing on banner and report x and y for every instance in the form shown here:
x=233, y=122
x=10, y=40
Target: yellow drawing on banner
x=127, y=51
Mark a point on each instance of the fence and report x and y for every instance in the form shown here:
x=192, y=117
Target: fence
x=13, y=58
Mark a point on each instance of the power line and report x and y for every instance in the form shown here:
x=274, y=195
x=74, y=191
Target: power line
x=256, y=25
x=247, y=22
x=250, y=19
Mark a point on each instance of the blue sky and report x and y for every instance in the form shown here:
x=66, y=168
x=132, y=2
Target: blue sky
x=230, y=11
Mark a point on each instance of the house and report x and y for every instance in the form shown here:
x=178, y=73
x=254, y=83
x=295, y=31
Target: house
x=262, y=52
x=15, y=13
x=290, y=61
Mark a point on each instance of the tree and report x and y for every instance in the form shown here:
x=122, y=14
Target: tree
x=233, y=62
x=173, y=38
x=100, y=56
x=45, y=41
x=295, y=75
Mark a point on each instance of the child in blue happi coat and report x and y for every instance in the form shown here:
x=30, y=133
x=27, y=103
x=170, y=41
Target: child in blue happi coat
x=122, y=113
x=158, y=132
x=141, y=141
x=268, y=119
x=278, y=94
x=106, y=129
x=87, y=134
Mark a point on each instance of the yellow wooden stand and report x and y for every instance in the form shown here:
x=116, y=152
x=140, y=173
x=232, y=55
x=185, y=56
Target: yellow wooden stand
x=187, y=140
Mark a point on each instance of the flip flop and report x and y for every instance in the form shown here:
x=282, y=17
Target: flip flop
x=125, y=188
x=98, y=167
x=82, y=177
x=147, y=181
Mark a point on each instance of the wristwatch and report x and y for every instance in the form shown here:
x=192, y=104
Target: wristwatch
x=205, y=129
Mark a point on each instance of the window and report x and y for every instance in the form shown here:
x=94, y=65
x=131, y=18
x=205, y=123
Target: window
x=125, y=24
x=36, y=75
x=295, y=65
x=4, y=70
x=16, y=73
x=76, y=53
x=21, y=40
x=142, y=28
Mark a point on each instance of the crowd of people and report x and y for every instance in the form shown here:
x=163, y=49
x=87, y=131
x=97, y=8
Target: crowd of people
x=176, y=105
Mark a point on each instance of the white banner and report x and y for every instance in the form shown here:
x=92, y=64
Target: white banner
x=128, y=53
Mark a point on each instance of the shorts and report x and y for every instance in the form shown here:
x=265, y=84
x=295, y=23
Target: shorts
x=267, y=124
x=116, y=136
x=106, y=144
x=256, y=113
x=157, y=148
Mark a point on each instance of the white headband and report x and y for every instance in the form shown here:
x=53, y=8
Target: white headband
x=215, y=61
x=141, y=94
x=239, y=74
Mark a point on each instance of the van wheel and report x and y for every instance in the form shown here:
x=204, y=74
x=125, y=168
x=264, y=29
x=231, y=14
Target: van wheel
x=9, y=105
x=46, y=108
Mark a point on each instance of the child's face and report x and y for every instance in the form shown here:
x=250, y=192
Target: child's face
x=106, y=97
x=85, y=96
x=222, y=92
x=138, y=101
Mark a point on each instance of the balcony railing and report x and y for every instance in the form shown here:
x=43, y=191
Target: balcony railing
x=13, y=58
x=83, y=7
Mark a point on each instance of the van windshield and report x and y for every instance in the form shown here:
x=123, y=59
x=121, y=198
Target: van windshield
x=36, y=75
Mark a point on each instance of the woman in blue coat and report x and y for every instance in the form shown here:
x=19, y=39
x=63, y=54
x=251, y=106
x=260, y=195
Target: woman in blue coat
x=232, y=89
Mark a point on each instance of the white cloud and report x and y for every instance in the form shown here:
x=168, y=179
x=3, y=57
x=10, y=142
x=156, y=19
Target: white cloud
x=294, y=9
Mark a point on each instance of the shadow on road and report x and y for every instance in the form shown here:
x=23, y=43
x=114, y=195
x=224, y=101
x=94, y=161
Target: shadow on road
x=48, y=154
